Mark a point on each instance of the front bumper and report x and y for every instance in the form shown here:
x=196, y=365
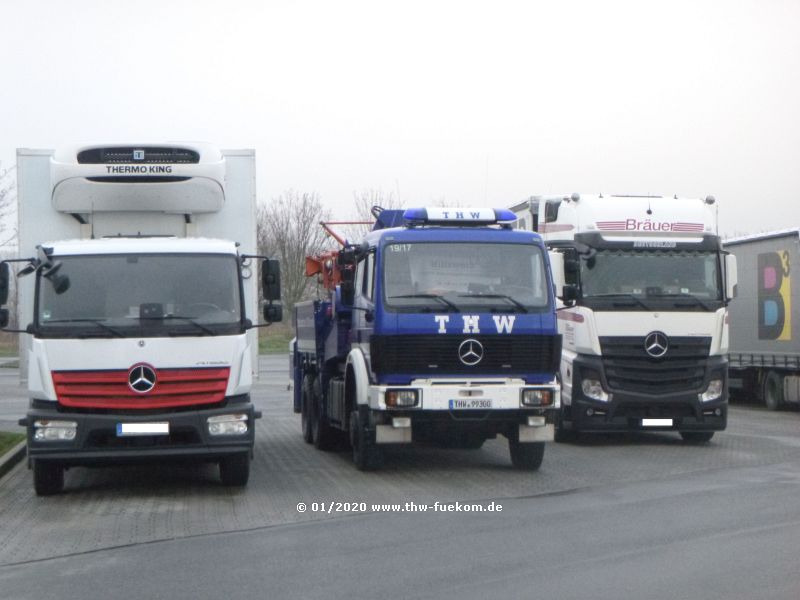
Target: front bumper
x=637, y=411
x=441, y=413
x=97, y=442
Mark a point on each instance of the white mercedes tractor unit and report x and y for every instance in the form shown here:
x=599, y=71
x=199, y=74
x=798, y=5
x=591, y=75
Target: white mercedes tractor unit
x=644, y=313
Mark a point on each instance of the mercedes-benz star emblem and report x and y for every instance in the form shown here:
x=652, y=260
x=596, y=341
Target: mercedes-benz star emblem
x=470, y=352
x=656, y=344
x=142, y=378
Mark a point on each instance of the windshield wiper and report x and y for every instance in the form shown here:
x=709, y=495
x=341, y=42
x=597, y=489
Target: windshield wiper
x=516, y=303
x=98, y=322
x=635, y=299
x=206, y=330
x=441, y=299
x=688, y=297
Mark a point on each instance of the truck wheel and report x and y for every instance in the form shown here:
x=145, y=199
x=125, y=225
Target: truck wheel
x=526, y=456
x=367, y=456
x=234, y=471
x=322, y=434
x=305, y=410
x=697, y=437
x=48, y=478
x=773, y=390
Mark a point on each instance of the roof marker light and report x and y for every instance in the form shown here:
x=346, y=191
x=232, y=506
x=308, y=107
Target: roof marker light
x=458, y=216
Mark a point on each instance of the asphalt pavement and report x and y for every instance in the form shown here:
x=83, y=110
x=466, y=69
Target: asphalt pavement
x=643, y=516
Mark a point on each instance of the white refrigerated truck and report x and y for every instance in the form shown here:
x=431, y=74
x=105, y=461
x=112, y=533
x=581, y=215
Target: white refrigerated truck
x=135, y=289
x=645, y=326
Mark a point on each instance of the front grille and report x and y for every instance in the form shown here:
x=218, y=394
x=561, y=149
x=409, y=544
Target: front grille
x=432, y=354
x=145, y=155
x=109, y=389
x=628, y=367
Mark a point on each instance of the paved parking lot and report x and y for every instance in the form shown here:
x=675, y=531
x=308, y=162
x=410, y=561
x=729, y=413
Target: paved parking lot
x=104, y=508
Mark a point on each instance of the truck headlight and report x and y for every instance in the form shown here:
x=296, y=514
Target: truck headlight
x=713, y=391
x=593, y=388
x=401, y=398
x=235, y=424
x=537, y=397
x=55, y=431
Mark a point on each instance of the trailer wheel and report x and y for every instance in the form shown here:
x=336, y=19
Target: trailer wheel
x=367, y=456
x=697, y=437
x=526, y=456
x=305, y=409
x=48, y=478
x=234, y=470
x=773, y=390
x=323, y=435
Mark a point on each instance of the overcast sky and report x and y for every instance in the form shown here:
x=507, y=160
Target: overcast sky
x=480, y=103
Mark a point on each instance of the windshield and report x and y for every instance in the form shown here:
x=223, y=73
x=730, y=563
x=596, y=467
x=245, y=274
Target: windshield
x=450, y=277
x=648, y=278
x=141, y=295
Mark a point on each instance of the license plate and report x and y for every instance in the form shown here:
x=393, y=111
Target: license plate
x=656, y=422
x=470, y=404
x=126, y=429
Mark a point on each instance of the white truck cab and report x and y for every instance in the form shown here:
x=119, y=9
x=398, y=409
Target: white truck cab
x=643, y=313
x=138, y=346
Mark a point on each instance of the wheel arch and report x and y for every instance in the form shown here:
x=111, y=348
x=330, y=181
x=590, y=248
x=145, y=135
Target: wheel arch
x=356, y=380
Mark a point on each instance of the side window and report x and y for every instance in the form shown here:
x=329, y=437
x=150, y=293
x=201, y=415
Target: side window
x=369, y=276
x=358, y=284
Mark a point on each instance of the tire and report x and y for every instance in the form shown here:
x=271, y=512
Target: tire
x=773, y=391
x=48, y=478
x=697, y=437
x=322, y=434
x=305, y=410
x=367, y=456
x=234, y=470
x=526, y=456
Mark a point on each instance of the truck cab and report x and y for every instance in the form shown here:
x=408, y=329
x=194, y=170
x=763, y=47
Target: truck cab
x=442, y=331
x=643, y=312
x=138, y=341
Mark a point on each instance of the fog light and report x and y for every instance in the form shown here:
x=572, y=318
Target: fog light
x=713, y=391
x=536, y=421
x=401, y=422
x=537, y=397
x=592, y=388
x=228, y=424
x=55, y=431
x=401, y=398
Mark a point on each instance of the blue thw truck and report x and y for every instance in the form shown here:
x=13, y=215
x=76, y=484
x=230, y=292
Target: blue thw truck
x=439, y=327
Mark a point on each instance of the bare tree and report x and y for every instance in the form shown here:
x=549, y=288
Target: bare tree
x=8, y=206
x=364, y=201
x=289, y=230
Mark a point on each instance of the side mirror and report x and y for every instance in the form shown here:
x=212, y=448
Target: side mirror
x=569, y=294
x=731, y=277
x=273, y=313
x=4, y=317
x=5, y=275
x=60, y=282
x=271, y=280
